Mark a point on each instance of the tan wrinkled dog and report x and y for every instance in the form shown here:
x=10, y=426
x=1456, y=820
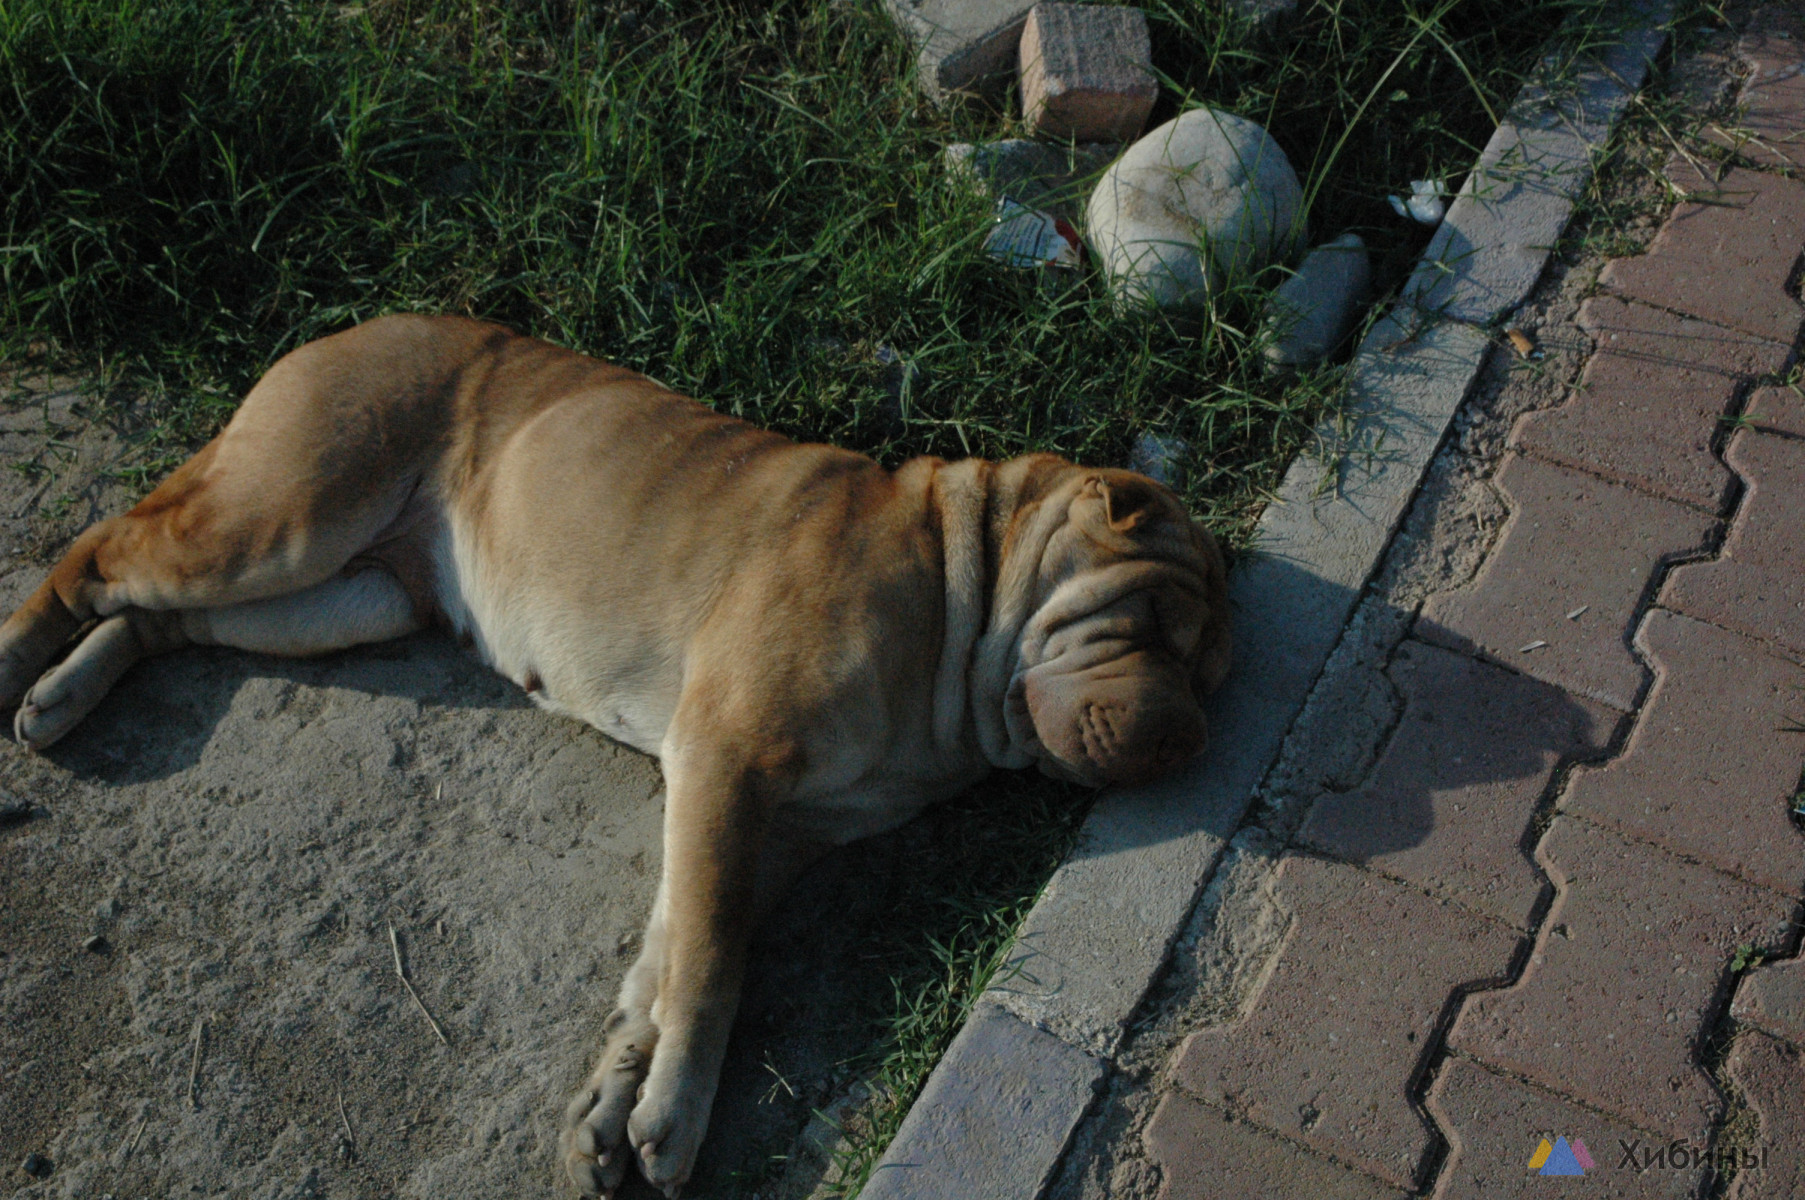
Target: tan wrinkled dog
x=814, y=647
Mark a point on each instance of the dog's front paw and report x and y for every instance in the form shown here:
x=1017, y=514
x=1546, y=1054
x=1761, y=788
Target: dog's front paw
x=596, y=1154
x=666, y=1130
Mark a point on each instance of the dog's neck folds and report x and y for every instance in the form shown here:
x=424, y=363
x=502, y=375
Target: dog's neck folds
x=988, y=605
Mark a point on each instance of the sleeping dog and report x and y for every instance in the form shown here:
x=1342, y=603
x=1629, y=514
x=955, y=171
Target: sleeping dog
x=814, y=647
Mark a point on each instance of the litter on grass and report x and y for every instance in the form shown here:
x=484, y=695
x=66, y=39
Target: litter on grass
x=1424, y=204
x=1027, y=237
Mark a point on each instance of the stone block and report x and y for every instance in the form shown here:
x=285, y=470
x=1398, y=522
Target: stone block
x=1458, y=783
x=1337, y=1039
x=1561, y=590
x=1651, y=400
x=960, y=45
x=1706, y=774
x=1087, y=72
x=1624, y=981
x=993, y=1119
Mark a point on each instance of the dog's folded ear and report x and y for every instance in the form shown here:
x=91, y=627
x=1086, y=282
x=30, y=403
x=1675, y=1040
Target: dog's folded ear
x=1128, y=500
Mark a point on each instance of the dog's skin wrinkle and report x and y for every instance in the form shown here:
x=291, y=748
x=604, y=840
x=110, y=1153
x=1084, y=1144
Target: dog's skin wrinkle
x=814, y=647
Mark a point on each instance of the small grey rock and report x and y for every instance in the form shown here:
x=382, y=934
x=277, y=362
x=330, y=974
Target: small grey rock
x=1313, y=310
x=1160, y=457
x=36, y=1166
x=1030, y=173
x=95, y=945
x=1266, y=13
x=12, y=809
x=1205, y=197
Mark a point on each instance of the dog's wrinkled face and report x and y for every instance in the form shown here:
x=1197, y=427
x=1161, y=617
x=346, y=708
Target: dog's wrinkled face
x=1128, y=637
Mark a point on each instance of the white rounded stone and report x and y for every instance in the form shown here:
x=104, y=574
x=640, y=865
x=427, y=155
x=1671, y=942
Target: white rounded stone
x=1206, y=197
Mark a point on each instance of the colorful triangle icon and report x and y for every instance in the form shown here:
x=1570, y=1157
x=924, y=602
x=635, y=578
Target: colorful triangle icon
x=1541, y=1154
x=1583, y=1155
x=1561, y=1161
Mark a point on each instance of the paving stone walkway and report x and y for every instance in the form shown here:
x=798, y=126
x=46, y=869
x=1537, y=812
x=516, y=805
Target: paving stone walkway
x=1564, y=903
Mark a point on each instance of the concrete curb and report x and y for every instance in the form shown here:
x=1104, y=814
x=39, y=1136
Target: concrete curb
x=1100, y=934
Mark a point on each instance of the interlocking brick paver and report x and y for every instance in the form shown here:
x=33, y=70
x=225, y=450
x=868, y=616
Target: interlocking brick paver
x=1453, y=794
x=1087, y=72
x=1205, y=1154
x=1772, y=998
x=1708, y=774
x=1726, y=256
x=1566, y=578
x=1776, y=409
x=1769, y=126
x=1624, y=977
x=1756, y=586
x=1494, y=1126
x=1771, y=1076
x=1651, y=399
x=1328, y=1055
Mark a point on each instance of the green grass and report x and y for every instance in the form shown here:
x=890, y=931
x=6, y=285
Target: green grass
x=745, y=201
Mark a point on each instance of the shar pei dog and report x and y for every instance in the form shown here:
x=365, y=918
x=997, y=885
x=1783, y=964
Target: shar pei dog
x=813, y=646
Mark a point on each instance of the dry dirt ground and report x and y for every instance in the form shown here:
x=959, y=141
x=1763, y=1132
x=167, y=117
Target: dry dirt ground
x=243, y=832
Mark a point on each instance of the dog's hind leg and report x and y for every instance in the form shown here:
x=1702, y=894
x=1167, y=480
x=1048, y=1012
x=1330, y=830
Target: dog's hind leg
x=368, y=606
x=70, y=692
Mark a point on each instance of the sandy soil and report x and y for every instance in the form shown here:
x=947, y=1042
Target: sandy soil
x=243, y=832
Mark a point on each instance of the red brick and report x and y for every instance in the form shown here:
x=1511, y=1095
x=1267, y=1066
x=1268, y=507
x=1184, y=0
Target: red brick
x=1572, y=541
x=1769, y=127
x=1494, y=1126
x=1776, y=410
x=1333, y=1045
x=1624, y=980
x=1756, y=585
x=1087, y=72
x=1726, y=256
x=1772, y=999
x=1454, y=792
x=1204, y=1154
x=1652, y=397
x=1707, y=774
x=1771, y=1077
